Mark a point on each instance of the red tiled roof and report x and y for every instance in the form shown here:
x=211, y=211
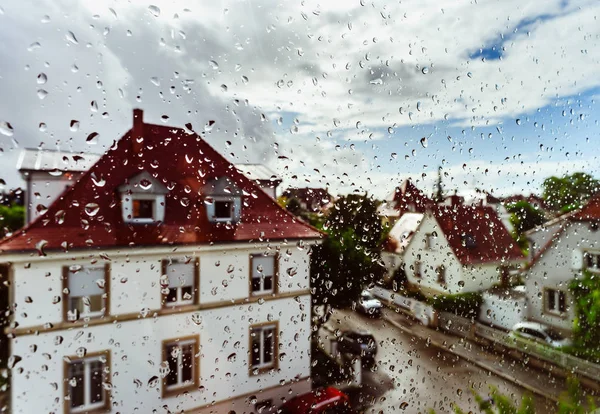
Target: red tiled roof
x=408, y=194
x=476, y=234
x=185, y=163
x=589, y=212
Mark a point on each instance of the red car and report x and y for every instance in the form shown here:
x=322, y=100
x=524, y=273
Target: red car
x=327, y=400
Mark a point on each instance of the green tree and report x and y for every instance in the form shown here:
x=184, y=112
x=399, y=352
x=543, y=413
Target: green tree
x=11, y=218
x=349, y=258
x=569, y=190
x=586, y=325
x=523, y=217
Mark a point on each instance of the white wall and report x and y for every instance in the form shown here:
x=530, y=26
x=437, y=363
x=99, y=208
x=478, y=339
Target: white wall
x=459, y=278
x=438, y=254
x=136, y=345
x=555, y=270
x=137, y=354
x=43, y=189
x=224, y=275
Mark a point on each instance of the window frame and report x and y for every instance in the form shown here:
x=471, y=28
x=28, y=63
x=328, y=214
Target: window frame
x=231, y=212
x=440, y=272
x=169, y=391
x=254, y=370
x=106, y=377
x=417, y=271
x=587, y=254
x=557, y=294
x=164, y=264
x=66, y=294
x=428, y=241
x=275, y=289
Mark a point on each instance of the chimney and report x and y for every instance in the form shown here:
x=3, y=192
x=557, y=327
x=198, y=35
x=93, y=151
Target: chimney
x=137, y=131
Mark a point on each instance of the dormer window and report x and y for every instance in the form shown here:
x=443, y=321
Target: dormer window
x=143, y=199
x=223, y=201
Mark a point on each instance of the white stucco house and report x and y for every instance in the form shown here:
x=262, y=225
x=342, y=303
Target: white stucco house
x=459, y=249
x=161, y=280
x=398, y=239
x=563, y=248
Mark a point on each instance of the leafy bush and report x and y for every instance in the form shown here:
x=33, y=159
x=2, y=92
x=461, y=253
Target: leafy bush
x=586, y=298
x=461, y=304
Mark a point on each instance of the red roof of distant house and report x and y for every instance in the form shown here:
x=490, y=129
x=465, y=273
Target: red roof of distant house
x=185, y=163
x=589, y=212
x=476, y=234
x=408, y=194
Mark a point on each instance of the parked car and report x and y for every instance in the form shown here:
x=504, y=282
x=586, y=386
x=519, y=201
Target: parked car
x=360, y=343
x=540, y=332
x=326, y=400
x=369, y=304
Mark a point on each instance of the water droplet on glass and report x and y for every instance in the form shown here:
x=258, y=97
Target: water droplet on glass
x=92, y=138
x=518, y=121
x=424, y=142
x=154, y=10
x=155, y=81
x=42, y=93
x=6, y=129
x=213, y=64
x=425, y=70
x=91, y=209
x=42, y=78
x=33, y=46
x=74, y=125
x=94, y=106
x=164, y=118
x=209, y=126
x=70, y=36
x=39, y=246
x=59, y=217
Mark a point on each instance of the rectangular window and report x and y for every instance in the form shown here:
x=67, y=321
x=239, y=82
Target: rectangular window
x=428, y=241
x=180, y=287
x=556, y=301
x=85, y=291
x=84, y=379
x=263, y=347
x=440, y=272
x=181, y=357
x=223, y=209
x=143, y=209
x=263, y=273
x=417, y=270
x=592, y=261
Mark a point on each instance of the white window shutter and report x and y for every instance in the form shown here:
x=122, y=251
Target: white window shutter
x=210, y=210
x=577, y=259
x=237, y=209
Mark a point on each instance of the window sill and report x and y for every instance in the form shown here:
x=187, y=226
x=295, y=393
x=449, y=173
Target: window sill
x=262, y=370
x=97, y=410
x=175, y=391
x=167, y=310
x=262, y=294
x=563, y=315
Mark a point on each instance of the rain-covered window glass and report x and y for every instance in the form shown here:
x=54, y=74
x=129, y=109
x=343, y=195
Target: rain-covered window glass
x=263, y=273
x=592, y=261
x=262, y=344
x=182, y=281
x=85, y=291
x=556, y=301
x=143, y=209
x=182, y=363
x=85, y=380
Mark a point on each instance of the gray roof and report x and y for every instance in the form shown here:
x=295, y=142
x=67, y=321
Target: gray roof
x=46, y=160
x=258, y=172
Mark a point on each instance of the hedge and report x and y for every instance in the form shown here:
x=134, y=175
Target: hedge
x=461, y=304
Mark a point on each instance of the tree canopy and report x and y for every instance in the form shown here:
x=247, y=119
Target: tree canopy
x=11, y=218
x=349, y=258
x=569, y=191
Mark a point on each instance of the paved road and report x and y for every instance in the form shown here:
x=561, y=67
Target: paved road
x=413, y=376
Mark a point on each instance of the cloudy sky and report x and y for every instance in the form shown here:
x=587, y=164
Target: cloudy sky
x=353, y=95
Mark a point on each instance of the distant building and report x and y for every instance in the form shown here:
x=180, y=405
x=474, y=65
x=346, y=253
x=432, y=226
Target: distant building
x=310, y=199
x=562, y=249
x=406, y=198
x=458, y=249
x=160, y=279
x=261, y=175
x=48, y=174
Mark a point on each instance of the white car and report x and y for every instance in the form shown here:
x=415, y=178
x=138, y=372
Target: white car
x=369, y=304
x=541, y=333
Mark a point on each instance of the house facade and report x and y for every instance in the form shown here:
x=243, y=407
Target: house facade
x=459, y=249
x=163, y=279
x=406, y=198
x=564, y=248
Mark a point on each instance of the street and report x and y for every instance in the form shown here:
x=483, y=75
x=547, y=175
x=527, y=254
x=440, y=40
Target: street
x=414, y=377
